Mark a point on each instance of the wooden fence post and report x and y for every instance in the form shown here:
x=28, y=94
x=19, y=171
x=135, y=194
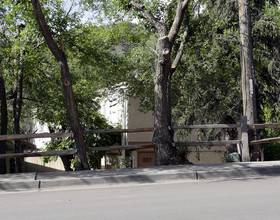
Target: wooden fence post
x=245, y=140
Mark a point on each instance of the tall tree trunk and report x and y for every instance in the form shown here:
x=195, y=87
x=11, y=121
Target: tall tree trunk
x=73, y=116
x=17, y=106
x=166, y=152
x=67, y=87
x=16, y=166
x=163, y=134
x=247, y=73
x=4, y=123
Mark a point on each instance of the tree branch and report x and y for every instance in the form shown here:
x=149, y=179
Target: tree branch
x=182, y=45
x=181, y=8
x=46, y=31
x=152, y=49
x=70, y=9
x=11, y=96
x=161, y=27
x=29, y=99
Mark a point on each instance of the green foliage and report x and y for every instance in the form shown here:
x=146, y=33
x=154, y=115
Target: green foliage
x=271, y=151
x=89, y=122
x=91, y=57
x=57, y=145
x=209, y=88
x=127, y=161
x=209, y=74
x=120, y=55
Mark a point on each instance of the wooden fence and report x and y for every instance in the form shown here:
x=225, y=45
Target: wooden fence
x=73, y=151
x=244, y=141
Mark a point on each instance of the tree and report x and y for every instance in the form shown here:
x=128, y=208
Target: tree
x=3, y=101
x=18, y=39
x=91, y=57
x=7, y=55
x=67, y=86
x=247, y=75
x=90, y=60
x=248, y=88
x=208, y=88
x=4, y=122
x=167, y=20
x=16, y=166
x=166, y=152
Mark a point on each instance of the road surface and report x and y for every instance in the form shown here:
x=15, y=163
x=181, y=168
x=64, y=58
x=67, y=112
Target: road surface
x=257, y=198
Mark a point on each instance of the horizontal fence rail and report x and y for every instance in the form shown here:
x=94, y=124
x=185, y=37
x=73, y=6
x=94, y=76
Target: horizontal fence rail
x=30, y=136
x=263, y=126
x=123, y=147
x=39, y=154
x=107, y=131
x=208, y=143
x=70, y=134
x=265, y=141
x=207, y=126
x=253, y=126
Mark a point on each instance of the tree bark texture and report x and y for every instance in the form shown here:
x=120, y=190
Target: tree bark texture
x=16, y=165
x=166, y=152
x=4, y=123
x=67, y=88
x=17, y=107
x=247, y=73
x=163, y=134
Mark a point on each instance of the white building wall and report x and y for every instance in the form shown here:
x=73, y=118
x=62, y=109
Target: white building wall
x=40, y=143
x=114, y=109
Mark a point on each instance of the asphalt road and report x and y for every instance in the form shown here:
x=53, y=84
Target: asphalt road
x=257, y=198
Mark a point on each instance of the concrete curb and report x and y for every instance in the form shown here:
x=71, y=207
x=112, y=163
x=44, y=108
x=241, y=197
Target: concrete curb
x=18, y=182
x=114, y=180
x=114, y=177
x=35, y=181
x=238, y=170
x=234, y=174
x=19, y=186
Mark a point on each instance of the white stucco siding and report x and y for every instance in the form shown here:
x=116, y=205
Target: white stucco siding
x=114, y=109
x=41, y=128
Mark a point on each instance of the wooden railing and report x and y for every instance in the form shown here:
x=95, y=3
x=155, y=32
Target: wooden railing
x=208, y=143
x=69, y=134
x=244, y=141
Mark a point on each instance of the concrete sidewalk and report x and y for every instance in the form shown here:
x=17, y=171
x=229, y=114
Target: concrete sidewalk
x=225, y=171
